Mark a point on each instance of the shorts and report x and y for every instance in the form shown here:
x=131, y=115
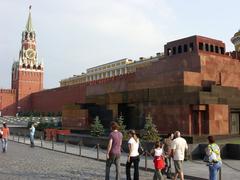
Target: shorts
x=178, y=166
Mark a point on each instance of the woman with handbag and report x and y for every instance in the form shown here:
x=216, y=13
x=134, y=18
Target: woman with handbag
x=214, y=158
x=133, y=156
x=158, y=161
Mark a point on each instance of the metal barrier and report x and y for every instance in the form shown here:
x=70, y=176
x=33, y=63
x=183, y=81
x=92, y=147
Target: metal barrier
x=97, y=151
x=51, y=145
x=41, y=139
x=80, y=148
x=45, y=144
x=65, y=144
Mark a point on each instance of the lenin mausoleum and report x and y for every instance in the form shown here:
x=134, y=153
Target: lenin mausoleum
x=193, y=86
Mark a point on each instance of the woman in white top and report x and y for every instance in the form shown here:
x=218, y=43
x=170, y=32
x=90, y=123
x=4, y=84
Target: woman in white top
x=133, y=156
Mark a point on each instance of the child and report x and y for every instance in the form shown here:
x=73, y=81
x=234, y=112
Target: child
x=159, y=163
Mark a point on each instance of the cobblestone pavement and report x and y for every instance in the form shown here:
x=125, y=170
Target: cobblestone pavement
x=22, y=162
x=80, y=168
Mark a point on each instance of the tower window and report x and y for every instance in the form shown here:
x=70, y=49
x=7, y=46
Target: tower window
x=211, y=48
x=222, y=50
x=28, y=66
x=200, y=46
x=216, y=49
x=174, y=50
x=185, y=48
x=24, y=66
x=191, y=47
x=206, y=47
x=169, y=52
x=179, y=49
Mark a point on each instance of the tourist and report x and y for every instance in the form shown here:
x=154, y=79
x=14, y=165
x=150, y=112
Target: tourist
x=167, y=142
x=5, y=135
x=159, y=163
x=32, y=133
x=179, y=146
x=114, y=150
x=215, y=162
x=133, y=156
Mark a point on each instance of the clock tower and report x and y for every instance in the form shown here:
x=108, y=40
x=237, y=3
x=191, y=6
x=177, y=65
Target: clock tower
x=27, y=72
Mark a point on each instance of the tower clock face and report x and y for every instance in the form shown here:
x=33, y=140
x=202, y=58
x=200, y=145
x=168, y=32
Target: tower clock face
x=30, y=53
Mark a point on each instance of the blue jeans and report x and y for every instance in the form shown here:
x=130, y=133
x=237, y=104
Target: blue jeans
x=167, y=170
x=32, y=140
x=4, y=144
x=213, y=170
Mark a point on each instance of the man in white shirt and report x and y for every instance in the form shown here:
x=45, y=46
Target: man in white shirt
x=32, y=133
x=179, y=145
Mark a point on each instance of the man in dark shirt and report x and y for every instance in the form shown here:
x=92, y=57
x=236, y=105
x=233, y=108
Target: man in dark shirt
x=168, y=153
x=114, y=150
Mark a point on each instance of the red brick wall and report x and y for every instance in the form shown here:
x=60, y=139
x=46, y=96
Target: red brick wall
x=218, y=119
x=222, y=69
x=53, y=100
x=163, y=73
x=26, y=82
x=75, y=118
x=170, y=118
x=7, y=102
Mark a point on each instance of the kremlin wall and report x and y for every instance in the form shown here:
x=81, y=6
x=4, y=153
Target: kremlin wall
x=193, y=86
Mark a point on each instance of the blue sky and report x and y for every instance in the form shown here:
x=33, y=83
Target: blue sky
x=73, y=35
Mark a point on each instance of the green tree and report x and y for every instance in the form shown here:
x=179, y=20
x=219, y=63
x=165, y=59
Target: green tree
x=97, y=128
x=122, y=126
x=150, y=130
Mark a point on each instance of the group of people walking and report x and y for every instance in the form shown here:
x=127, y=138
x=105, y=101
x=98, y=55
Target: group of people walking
x=114, y=152
x=172, y=148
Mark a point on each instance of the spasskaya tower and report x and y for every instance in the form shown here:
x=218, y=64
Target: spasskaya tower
x=27, y=72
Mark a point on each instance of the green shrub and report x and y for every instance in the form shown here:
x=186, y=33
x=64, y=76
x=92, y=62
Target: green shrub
x=150, y=130
x=122, y=127
x=97, y=128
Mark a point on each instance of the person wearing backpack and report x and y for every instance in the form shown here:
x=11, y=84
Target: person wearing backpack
x=5, y=135
x=214, y=158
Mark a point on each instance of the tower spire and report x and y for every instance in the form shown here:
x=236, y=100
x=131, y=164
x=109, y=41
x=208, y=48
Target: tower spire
x=29, y=26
